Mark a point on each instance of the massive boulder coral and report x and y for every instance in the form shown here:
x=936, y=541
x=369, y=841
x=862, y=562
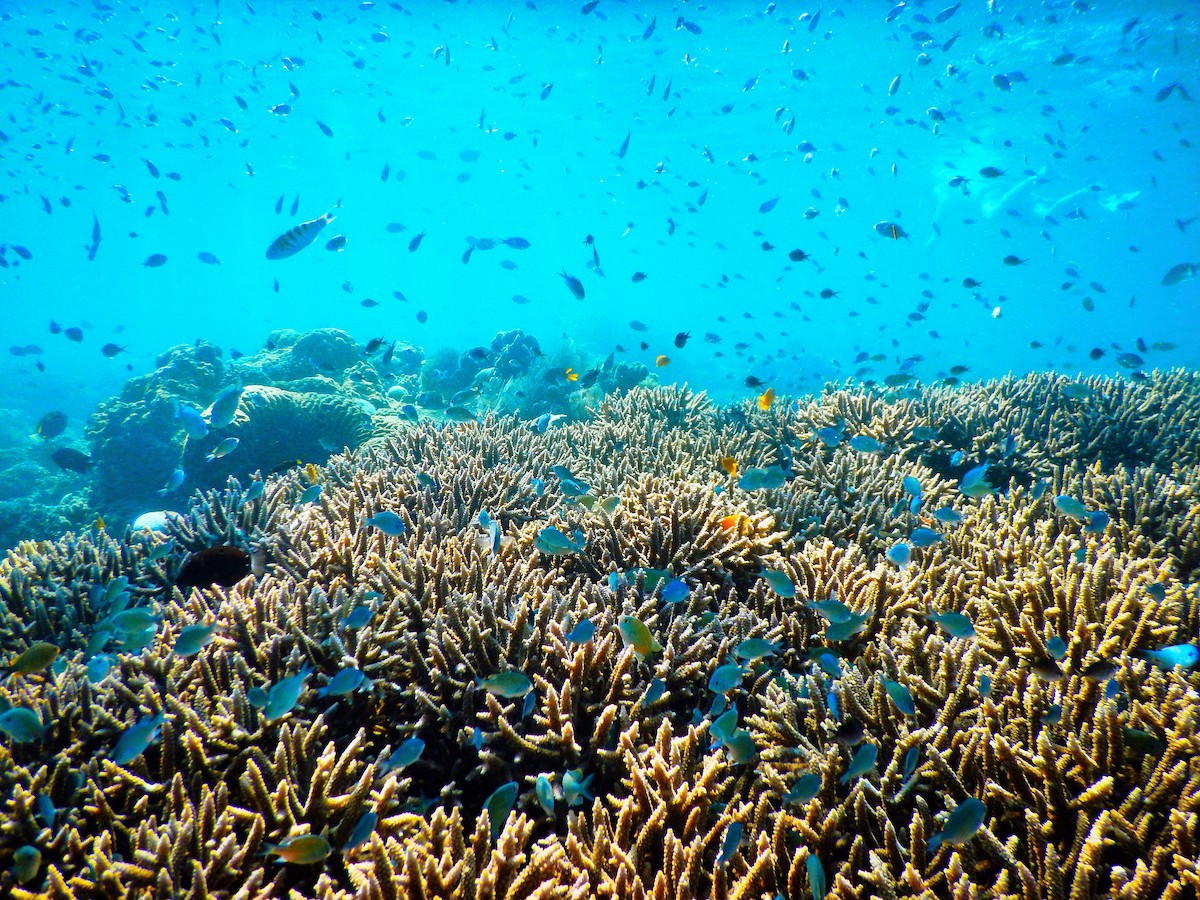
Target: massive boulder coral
x=455, y=567
x=277, y=428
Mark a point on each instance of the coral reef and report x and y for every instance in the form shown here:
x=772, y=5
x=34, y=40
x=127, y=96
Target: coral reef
x=765, y=700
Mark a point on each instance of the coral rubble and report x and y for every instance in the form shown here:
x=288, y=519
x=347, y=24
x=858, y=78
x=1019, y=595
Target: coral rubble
x=800, y=715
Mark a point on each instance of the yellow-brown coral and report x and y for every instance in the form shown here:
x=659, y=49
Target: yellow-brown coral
x=625, y=786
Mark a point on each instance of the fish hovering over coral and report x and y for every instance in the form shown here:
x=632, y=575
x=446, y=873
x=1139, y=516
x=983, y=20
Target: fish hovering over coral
x=296, y=239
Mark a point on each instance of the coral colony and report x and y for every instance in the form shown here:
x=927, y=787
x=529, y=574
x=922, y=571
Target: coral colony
x=916, y=643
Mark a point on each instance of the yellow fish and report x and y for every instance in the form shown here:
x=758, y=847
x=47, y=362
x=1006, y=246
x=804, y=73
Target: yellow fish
x=766, y=399
x=635, y=634
x=302, y=849
x=662, y=360
x=571, y=374
x=730, y=465
x=732, y=522
x=36, y=658
x=311, y=473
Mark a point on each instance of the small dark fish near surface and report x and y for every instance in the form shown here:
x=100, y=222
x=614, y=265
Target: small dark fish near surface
x=296, y=239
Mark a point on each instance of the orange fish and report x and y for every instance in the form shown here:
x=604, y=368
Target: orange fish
x=729, y=464
x=662, y=361
x=732, y=522
x=766, y=399
x=571, y=374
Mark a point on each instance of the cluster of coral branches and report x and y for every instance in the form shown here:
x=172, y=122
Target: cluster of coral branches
x=1091, y=786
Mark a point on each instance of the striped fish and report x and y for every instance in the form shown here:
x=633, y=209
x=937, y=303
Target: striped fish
x=296, y=239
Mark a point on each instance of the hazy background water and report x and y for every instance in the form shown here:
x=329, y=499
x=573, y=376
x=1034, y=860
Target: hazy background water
x=151, y=81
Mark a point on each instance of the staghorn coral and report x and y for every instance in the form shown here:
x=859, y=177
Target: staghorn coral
x=1099, y=799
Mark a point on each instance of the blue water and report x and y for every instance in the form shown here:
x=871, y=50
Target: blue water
x=1101, y=184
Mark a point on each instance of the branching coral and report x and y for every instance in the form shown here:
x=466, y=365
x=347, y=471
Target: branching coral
x=745, y=748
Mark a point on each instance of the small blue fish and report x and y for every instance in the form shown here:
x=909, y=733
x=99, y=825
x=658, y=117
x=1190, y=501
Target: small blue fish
x=816, y=877
x=21, y=724
x=947, y=515
x=829, y=665
x=553, y=542
x=962, y=824
x=756, y=648
x=762, y=479
x=779, y=582
x=723, y=727
x=975, y=484
x=834, y=611
x=924, y=537
x=729, y=844
x=956, y=459
x=911, y=486
x=654, y=692
x=862, y=761
x=1069, y=506
x=193, y=638
x=900, y=695
x=509, y=685
x=46, y=810
x=98, y=667
x=1056, y=647
x=27, y=860
x=582, y=633
x=954, y=624
x=985, y=685
x=741, y=746
x=829, y=436
x=405, y=755
x=1053, y=715
x=576, y=788
x=900, y=554
x=675, y=591
x=543, y=789
x=910, y=763
x=1097, y=522
x=362, y=830
x=136, y=739
x=224, y=448
x=805, y=789
x=498, y=805
x=1183, y=655
x=528, y=703
x=254, y=492
x=388, y=522
x=344, y=682
x=191, y=420
x=725, y=678
x=864, y=443
x=359, y=616
x=283, y=695
x=310, y=495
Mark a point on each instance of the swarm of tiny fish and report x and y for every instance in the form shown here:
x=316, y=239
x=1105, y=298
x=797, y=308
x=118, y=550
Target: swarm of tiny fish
x=486, y=659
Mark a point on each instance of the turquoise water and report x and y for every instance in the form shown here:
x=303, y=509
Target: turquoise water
x=506, y=120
